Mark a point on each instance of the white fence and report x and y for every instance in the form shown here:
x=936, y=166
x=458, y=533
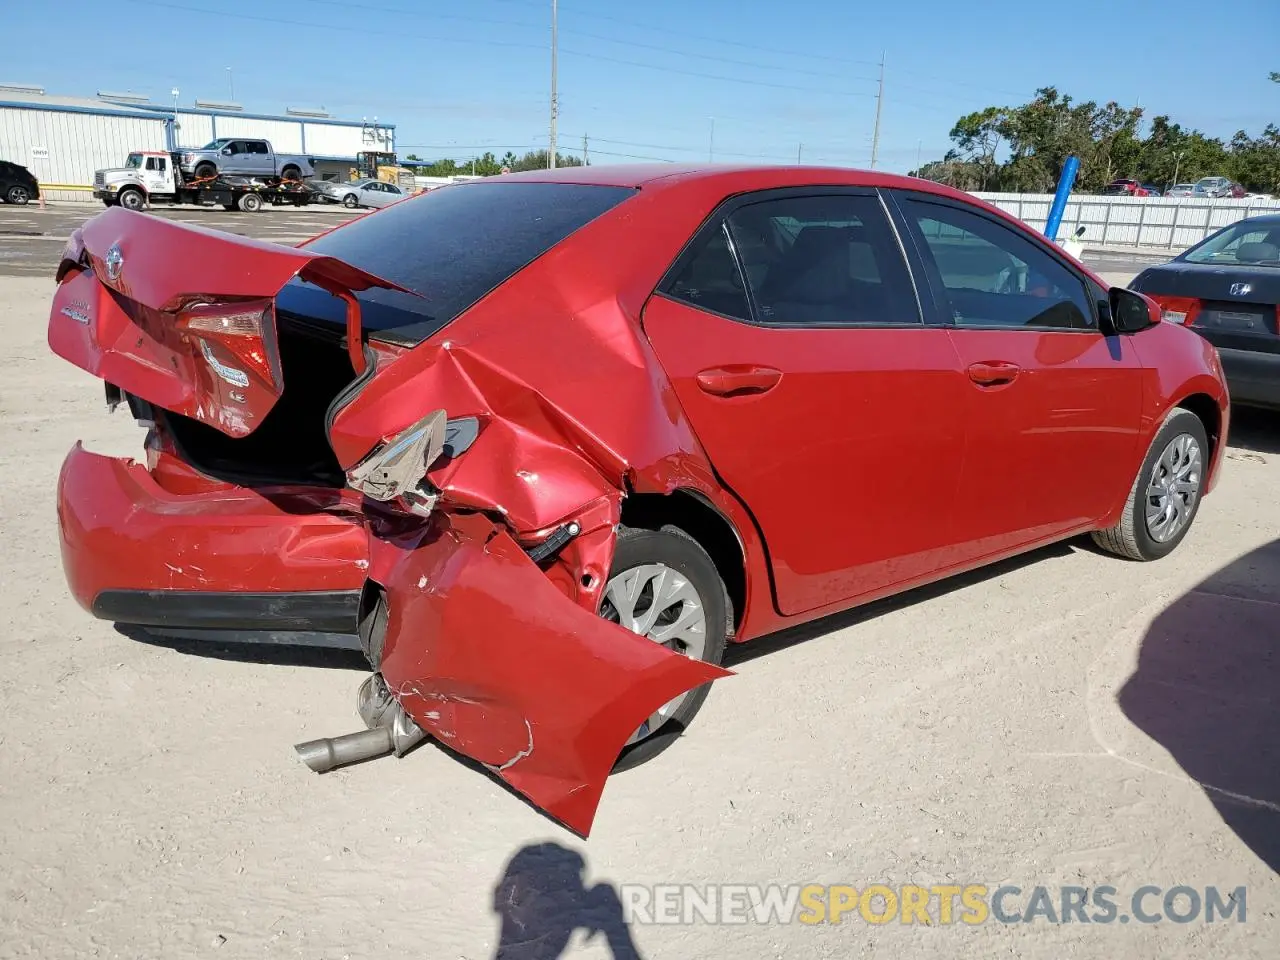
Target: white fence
x=1171, y=223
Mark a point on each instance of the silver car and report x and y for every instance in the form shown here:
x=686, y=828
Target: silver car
x=362, y=193
x=1181, y=190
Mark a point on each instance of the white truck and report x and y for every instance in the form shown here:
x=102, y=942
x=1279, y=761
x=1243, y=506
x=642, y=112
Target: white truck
x=150, y=176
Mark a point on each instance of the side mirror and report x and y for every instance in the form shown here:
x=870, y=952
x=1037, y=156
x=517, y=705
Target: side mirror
x=1132, y=311
x=226, y=151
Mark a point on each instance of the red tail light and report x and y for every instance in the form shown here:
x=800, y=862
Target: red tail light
x=237, y=340
x=1177, y=309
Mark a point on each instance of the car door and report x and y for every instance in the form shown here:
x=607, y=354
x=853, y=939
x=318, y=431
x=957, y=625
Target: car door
x=156, y=176
x=375, y=195
x=1053, y=404
x=823, y=400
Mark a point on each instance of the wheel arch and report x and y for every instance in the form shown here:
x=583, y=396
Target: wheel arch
x=1210, y=414
x=693, y=513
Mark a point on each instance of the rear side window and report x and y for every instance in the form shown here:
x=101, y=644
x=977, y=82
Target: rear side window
x=823, y=261
x=451, y=247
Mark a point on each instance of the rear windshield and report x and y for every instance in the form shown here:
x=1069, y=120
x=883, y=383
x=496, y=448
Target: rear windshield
x=1256, y=243
x=450, y=246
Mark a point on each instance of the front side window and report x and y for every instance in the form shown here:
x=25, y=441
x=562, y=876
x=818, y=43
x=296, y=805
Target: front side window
x=992, y=277
x=823, y=261
x=155, y=163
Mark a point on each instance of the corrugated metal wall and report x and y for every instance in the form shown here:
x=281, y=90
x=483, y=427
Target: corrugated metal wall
x=1171, y=223
x=285, y=135
x=77, y=145
x=194, y=129
x=328, y=140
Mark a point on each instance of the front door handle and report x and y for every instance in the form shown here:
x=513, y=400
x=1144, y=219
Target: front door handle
x=993, y=373
x=738, y=379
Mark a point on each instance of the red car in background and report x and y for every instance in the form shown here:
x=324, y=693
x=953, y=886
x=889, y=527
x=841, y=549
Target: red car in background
x=546, y=443
x=1129, y=188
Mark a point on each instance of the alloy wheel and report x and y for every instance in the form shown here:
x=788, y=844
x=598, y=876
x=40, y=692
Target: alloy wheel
x=1173, y=488
x=660, y=603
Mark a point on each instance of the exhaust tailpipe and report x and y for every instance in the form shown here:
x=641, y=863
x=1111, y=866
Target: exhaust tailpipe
x=323, y=755
x=391, y=730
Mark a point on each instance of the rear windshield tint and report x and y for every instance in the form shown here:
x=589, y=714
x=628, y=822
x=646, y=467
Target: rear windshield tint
x=451, y=247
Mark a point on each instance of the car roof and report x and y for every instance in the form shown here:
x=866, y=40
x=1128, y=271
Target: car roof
x=759, y=176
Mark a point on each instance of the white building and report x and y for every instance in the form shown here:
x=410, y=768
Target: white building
x=63, y=140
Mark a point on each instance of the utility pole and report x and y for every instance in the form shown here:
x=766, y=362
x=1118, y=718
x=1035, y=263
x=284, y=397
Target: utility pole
x=231, y=87
x=711, y=143
x=551, y=152
x=799, y=150
x=1177, y=162
x=586, y=156
x=919, y=144
x=875, y=136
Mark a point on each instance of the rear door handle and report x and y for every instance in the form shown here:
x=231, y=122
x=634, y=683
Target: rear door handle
x=993, y=373
x=738, y=379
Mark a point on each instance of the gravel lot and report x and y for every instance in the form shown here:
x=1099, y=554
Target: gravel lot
x=1065, y=719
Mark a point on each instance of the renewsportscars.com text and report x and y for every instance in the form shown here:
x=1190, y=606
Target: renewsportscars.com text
x=937, y=905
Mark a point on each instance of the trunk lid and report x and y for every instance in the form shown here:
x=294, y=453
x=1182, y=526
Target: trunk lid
x=184, y=317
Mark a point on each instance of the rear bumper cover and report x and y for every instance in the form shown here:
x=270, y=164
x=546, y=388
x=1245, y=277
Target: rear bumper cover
x=1253, y=378
x=227, y=559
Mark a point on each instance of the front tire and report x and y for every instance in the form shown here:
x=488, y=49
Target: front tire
x=18, y=195
x=132, y=199
x=663, y=585
x=1165, y=496
x=205, y=170
x=349, y=201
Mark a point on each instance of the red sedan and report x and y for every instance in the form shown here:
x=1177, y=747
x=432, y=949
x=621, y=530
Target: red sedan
x=543, y=445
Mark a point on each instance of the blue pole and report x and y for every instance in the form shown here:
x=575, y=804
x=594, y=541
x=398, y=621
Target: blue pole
x=1065, y=182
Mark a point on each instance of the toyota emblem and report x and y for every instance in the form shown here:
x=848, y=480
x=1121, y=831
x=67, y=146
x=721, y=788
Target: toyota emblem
x=114, y=262
x=1241, y=289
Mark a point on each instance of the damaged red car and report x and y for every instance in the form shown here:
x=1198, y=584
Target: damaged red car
x=542, y=446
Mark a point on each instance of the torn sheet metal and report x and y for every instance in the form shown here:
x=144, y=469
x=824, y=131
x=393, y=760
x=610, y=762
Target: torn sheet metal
x=490, y=658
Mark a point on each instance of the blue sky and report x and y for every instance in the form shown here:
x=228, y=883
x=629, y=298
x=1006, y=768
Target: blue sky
x=646, y=80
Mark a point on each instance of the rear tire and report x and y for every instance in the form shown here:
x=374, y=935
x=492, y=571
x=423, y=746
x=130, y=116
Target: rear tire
x=644, y=553
x=1165, y=496
x=250, y=202
x=291, y=173
x=132, y=199
x=18, y=195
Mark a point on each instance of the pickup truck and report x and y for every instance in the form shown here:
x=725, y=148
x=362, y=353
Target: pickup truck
x=245, y=158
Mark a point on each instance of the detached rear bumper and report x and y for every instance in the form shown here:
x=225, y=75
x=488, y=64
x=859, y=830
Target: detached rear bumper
x=227, y=559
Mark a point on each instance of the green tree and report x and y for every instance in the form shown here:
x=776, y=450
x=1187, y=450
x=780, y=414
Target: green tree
x=1023, y=148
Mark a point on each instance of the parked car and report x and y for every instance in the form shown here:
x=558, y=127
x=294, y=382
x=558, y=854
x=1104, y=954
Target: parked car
x=368, y=192
x=510, y=437
x=1227, y=289
x=1129, y=188
x=1122, y=188
x=17, y=185
x=244, y=158
x=1219, y=187
x=1181, y=190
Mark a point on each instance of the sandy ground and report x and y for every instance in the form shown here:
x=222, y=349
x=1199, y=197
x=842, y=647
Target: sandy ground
x=1065, y=719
